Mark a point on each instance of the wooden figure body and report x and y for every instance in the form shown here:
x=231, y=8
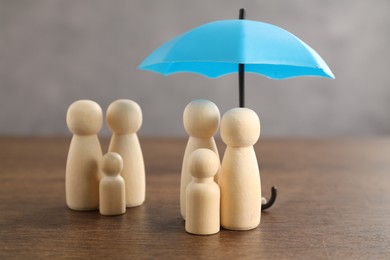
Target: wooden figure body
x=124, y=118
x=202, y=194
x=84, y=119
x=239, y=178
x=112, y=186
x=201, y=120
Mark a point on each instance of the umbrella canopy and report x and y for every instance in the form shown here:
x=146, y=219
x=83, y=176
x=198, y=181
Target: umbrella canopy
x=215, y=49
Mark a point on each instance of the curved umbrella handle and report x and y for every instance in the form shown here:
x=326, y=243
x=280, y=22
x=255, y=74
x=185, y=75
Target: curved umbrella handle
x=271, y=200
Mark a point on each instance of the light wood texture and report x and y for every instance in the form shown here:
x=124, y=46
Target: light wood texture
x=202, y=194
x=333, y=203
x=239, y=178
x=112, y=186
x=124, y=118
x=84, y=119
x=201, y=120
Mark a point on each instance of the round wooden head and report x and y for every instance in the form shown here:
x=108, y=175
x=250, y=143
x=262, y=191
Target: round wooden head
x=112, y=164
x=203, y=163
x=84, y=117
x=201, y=118
x=240, y=127
x=124, y=116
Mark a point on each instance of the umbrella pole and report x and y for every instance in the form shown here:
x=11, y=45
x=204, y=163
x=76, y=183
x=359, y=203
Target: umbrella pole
x=241, y=71
x=241, y=84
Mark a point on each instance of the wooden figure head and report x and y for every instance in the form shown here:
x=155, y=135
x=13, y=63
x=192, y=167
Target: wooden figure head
x=84, y=117
x=112, y=164
x=124, y=116
x=203, y=163
x=240, y=127
x=201, y=118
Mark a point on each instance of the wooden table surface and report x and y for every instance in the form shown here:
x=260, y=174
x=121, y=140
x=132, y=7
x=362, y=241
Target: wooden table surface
x=333, y=203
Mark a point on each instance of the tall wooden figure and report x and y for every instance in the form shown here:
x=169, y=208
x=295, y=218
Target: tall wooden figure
x=112, y=186
x=239, y=178
x=84, y=119
x=124, y=118
x=202, y=194
x=201, y=120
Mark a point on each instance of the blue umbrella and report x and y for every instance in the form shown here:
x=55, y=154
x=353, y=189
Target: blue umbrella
x=228, y=46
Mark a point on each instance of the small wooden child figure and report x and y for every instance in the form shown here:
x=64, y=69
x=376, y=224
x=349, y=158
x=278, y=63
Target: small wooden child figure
x=84, y=119
x=202, y=194
x=239, y=178
x=112, y=186
x=201, y=120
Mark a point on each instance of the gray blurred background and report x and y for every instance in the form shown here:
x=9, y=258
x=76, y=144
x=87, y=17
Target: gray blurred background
x=53, y=52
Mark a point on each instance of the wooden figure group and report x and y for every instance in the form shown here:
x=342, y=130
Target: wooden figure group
x=233, y=199
x=123, y=182
x=211, y=194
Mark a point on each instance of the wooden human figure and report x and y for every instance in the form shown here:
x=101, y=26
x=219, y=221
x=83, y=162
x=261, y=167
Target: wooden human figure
x=84, y=119
x=239, y=178
x=202, y=194
x=124, y=118
x=112, y=186
x=201, y=120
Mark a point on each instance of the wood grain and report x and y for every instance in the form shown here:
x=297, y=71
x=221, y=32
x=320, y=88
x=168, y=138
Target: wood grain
x=334, y=203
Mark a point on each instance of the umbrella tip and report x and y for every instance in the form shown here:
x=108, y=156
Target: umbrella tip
x=242, y=14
